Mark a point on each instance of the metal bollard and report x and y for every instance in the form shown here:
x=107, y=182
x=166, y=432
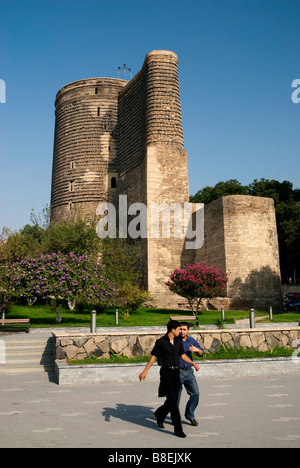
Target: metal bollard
x=222, y=314
x=271, y=313
x=117, y=317
x=94, y=322
x=252, y=318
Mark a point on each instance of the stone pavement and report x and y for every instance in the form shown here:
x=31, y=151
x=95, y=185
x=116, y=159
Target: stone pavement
x=241, y=412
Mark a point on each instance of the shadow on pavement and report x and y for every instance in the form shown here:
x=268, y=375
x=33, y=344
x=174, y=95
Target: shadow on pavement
x=134, y=414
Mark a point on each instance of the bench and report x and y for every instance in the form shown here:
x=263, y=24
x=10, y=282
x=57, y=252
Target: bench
x=186, y=318
x=18, y=324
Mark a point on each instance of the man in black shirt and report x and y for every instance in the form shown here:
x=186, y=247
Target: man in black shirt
x=168, y=350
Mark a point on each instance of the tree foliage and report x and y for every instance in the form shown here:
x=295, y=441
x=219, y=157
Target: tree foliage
x=61, y=277
x=41, y=239
x=72, y=235
x=197, y=282
x=123, y=262
x=287, y=206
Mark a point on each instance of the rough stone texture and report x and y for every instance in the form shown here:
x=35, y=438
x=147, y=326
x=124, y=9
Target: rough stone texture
x=85, y=145
x=241, y=236
x=141, y=343
x=132, y=132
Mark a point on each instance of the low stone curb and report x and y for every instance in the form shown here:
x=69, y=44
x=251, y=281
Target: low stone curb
x=129, y=373
x=141, y=343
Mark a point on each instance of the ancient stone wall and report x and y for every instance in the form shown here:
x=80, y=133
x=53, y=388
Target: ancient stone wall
x=131, y=344
x=213, y=251
x=114, y=137
x=164, y=122
x=152, y=160
x=85, y=145
x=241, y=236
x=131, y=117
x=252, y=251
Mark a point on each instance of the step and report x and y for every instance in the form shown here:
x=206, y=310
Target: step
x=27, y=354
x=29, y=358
x=25, y=370
x=6, y=368
x=26, y=339
x=28, y=349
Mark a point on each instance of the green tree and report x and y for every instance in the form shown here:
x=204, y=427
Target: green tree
x=123, y=262
x=197, y=282
x=222, y=189
x=62, y=277
x=287, y=207
x=7, y=291
x=72, y=235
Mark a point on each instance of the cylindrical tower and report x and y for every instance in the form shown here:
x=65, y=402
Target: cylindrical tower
x=164, y=120
x=85, y=146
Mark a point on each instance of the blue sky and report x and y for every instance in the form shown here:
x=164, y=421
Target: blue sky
x=237, y=62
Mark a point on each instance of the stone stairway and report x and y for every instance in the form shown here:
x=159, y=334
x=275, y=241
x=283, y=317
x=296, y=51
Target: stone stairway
x=26, y=353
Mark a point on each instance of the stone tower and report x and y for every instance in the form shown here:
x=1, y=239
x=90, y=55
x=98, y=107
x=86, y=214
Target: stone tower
x=85, y=146
x=152, y=161
x=114, y=137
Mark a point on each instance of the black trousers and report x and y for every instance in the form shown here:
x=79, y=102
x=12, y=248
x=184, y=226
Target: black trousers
x=170, y=388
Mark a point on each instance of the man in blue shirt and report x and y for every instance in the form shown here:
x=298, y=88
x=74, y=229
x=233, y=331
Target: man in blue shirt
x=187, y=376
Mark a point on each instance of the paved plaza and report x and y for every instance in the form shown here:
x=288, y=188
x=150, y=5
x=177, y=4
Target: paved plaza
x=242, y=412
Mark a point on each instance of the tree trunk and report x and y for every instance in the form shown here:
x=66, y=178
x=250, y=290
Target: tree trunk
x=58, y=316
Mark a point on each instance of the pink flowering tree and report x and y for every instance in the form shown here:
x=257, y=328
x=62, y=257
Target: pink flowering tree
x=197, y=282
x=63, y=278
x=7, y=293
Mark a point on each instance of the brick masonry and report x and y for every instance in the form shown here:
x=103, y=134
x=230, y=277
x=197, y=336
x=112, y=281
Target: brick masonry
x=131, y=133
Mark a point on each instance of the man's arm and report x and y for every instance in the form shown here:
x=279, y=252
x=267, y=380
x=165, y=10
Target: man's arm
x=196, y=350
x=188, y=361
x=148, y=366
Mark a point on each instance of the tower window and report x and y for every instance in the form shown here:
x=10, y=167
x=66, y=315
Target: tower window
x=96, y=90
x=113, y=183
x=71, y=186
x=98, y=111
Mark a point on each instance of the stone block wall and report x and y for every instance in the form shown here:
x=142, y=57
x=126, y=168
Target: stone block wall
x=241, y=236
x=152, y=160
x=132, y=131
x=252, y=252
x=85, y=145
x=76, y=347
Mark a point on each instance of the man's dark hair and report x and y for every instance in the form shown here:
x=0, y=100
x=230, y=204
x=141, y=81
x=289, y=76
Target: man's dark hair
x=173, y=325
x=185, y=324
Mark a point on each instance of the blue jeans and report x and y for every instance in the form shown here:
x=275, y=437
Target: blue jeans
x=188, y=380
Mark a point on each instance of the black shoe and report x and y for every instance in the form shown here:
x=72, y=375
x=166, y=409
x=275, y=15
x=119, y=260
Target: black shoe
x=193, y=422
x=180, y=434
x=159, y=423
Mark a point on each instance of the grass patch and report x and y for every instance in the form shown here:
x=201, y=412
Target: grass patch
x=223, y=353
x=242, y=353
x=112, y=360
x=44, y=316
